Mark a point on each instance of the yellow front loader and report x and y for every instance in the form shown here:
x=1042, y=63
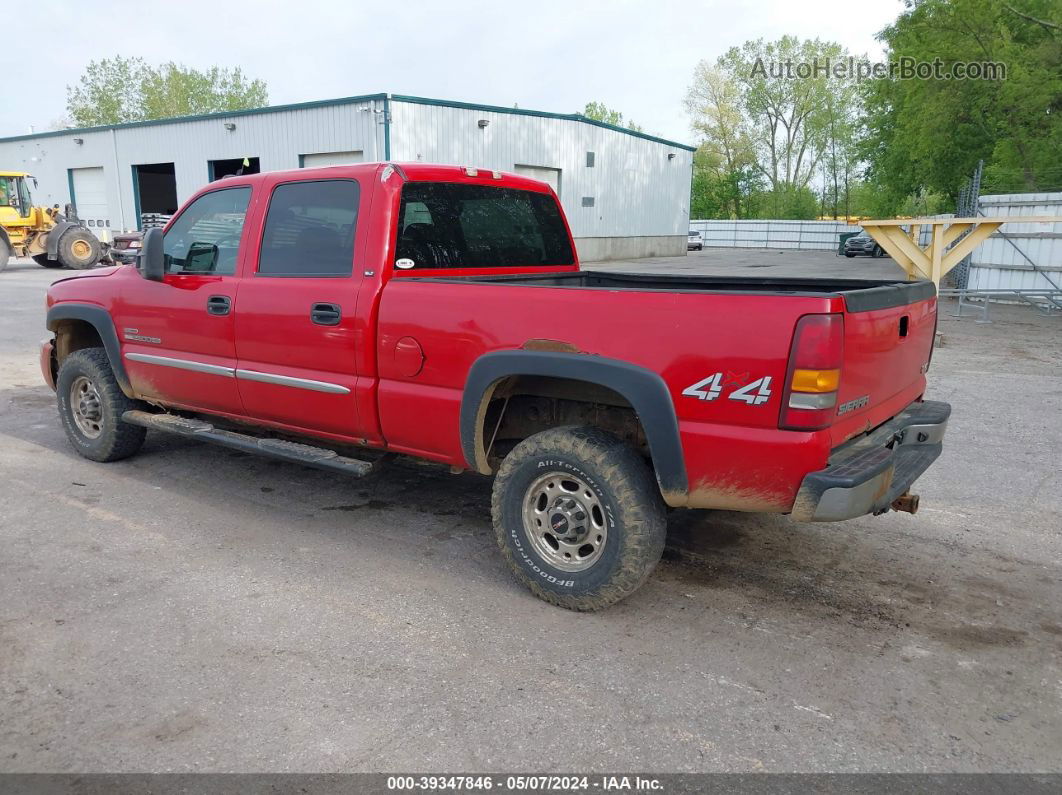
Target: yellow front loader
x=52, y=239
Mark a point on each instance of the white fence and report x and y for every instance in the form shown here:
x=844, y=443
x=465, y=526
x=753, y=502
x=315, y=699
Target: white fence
x=804, y=235
x=1005, y=261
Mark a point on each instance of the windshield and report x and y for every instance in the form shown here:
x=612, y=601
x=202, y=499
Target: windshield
x=14, y=192
x=7, y=191
x=451, y=225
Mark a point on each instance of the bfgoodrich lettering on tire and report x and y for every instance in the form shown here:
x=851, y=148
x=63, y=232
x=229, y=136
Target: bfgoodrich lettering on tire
x=578, y=517
x=91, y=405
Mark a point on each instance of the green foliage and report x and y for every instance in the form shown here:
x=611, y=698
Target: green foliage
x=108, y=92
x=869, y=199
x=116, y=90
x=720, y=192
x=786, y=130
x=598, y=111
x=790, y=203
x=924, y=137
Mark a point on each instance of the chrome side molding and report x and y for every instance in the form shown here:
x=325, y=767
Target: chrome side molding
x=246, y=375
x=287, y=380
x=182, y=364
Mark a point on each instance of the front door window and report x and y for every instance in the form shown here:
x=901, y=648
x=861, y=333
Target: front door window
x=205, y=238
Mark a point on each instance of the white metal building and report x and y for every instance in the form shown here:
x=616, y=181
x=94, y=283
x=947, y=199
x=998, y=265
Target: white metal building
x=626, y=193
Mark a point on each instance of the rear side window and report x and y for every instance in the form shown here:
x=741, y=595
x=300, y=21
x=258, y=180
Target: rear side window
x=309, y=229
x=205, y=238
x=450, y=225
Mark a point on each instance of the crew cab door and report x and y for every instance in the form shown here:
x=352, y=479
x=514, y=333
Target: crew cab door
x=178, y=335
x=295, y=323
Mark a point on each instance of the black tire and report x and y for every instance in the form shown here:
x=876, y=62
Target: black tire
x=5, y=253
x=115, y=439
x=78, y=249
x=877, y=253
x=44, y=262
x=617, y=492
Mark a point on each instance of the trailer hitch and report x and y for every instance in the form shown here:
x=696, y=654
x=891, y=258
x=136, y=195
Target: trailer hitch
x=906, y=502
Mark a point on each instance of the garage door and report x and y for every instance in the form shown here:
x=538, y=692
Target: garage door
x=90, y=197
x=552, y=176
x=331, y=159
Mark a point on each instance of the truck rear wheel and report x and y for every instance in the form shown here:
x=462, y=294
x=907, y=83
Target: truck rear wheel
x=78, y=249
x=91, y=405
x=44, y=262
x=578, y=517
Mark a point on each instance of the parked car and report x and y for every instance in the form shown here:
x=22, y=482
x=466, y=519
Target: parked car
x=862, y=245
x=441, y=312
x=125, y=247
x=694, y=241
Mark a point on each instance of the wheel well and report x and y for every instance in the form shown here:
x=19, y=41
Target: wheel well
x=520, y=406
x=74, y=335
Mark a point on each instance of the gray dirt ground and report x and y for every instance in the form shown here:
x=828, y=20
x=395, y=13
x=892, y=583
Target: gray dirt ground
x=197, y=609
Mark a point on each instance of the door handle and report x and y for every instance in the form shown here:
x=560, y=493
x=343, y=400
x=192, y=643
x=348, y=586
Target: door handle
x=326, y=314
x=219, y=305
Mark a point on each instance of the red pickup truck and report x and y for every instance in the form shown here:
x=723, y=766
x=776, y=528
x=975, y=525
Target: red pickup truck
x=331, y=316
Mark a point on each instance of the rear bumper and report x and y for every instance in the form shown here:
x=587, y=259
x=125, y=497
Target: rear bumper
x=867, y=474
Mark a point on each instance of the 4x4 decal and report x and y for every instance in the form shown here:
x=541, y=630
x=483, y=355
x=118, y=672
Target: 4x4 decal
x=753, y=393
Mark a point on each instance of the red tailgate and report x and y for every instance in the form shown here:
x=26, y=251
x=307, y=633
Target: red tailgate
x=888, y=341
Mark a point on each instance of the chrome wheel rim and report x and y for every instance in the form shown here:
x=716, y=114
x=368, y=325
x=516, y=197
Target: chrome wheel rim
x=565, y=521
x=86, y=407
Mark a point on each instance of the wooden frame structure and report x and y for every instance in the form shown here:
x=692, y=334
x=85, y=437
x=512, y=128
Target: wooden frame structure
x=951, y=239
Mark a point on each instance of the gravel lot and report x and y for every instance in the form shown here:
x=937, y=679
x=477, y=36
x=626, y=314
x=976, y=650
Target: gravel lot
x=197, y=609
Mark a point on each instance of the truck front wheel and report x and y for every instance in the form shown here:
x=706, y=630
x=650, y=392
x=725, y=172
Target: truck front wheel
x=78, y=249
x=91, y=405
x=578, y=517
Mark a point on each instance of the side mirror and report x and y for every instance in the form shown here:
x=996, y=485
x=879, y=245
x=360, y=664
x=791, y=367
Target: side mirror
x=201, y=258
x=152, y=263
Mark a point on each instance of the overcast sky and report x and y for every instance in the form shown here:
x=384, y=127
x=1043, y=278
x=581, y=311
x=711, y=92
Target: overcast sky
x=633, y=55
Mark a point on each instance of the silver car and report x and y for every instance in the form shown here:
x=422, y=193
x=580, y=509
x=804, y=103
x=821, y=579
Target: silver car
x=862, y=245
x=694, y=241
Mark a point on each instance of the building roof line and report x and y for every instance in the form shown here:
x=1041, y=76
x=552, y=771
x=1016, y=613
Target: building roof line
x=221, y=114
x=446, y=103
x=226, y=114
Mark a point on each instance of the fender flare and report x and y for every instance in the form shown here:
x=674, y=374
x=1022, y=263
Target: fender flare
x=54, y=234
x=99, y=319
x=643, y=389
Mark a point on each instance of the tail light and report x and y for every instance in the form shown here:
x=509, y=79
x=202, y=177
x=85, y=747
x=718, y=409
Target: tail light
x=814, y=373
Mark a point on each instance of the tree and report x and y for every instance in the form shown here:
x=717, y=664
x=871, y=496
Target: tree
x=924, y=136
x=714, y=104
x=788, y=112
x=755, y=108
x=116, y=90
x=719, y=192
x=109, y=92
x=598, y=111
x=722, y=166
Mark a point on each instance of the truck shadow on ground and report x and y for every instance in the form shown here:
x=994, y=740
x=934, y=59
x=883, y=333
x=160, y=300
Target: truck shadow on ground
x=889, y=579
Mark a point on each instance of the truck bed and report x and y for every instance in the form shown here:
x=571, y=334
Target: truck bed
x=859, y=294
